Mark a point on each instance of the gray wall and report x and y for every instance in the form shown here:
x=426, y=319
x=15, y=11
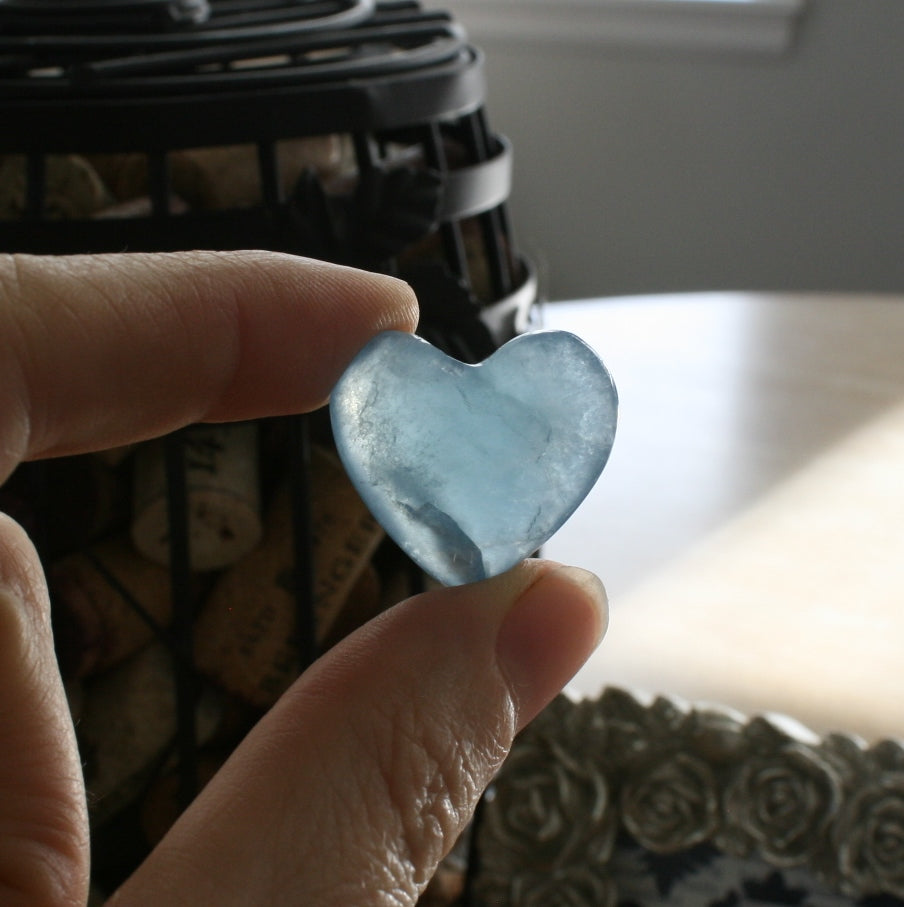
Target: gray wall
x=642, y=170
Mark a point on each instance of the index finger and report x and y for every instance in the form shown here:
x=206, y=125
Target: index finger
x=100, y=350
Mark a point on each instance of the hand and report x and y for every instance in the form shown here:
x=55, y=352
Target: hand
x=353, y=787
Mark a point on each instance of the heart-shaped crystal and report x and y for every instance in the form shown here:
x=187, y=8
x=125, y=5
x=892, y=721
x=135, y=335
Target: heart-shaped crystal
x=471, y=468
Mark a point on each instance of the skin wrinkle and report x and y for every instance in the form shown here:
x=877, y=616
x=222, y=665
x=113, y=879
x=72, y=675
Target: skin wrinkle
x=50, y=834
x=234, y=316
x=17, y=422
x=29, y=862
x=405, y=758
x=237, y=317
x=423, y=756
x=37, y=326
x=221, y=355
x=389, y=864
x=404, y=776
x=225, y=320
x=42, y=846
x=217, y=357
x=377, y=871
x=25, y=617
x=321, y=287
x=318, y=286
x=342, y=794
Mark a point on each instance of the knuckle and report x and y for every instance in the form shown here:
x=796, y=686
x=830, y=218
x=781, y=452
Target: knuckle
x=431, y=774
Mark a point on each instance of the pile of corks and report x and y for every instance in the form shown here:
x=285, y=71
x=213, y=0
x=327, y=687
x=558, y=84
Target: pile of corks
x=104, y=534
x=227, y=178
x=201, y=179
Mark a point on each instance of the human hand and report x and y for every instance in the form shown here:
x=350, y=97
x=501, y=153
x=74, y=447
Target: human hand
x=353, y=787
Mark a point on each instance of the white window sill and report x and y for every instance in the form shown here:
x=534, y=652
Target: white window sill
x=758, y=26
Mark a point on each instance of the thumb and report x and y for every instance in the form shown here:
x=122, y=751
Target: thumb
x=43, y=822
x=357, y=783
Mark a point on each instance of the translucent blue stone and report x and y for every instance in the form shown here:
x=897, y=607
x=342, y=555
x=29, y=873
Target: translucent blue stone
x=470, y=468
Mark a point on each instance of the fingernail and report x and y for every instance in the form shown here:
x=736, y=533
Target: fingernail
x=548, y=634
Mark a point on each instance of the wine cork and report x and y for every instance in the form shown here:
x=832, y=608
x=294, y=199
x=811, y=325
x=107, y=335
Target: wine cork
x=445, y=889
x=75, y=699
x=223, y=496
x=161, y=805
x=78, y=500
x=226, y=177
x=114, y=456
x=106, y=602
x=128, y=725
x=245, y=634
x=142, y=206
x=125, y=174
x=400, y=578
x=363, y=603
x=222, y=177
x=18, y=498
x=72, y=188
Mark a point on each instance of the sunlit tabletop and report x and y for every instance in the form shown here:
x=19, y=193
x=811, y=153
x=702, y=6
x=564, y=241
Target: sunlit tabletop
x=750, y=523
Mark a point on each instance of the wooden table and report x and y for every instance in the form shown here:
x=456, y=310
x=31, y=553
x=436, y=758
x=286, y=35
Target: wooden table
x=750, y=523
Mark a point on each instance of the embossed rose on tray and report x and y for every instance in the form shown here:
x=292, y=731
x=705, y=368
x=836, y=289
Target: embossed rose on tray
x=548, y=810
x=781, y=803
x=715, y=811
x=575, y=886
x=672, y=804
x=870, y=836
x=548, y=823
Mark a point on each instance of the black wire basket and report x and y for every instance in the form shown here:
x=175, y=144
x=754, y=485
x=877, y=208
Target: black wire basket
x=348, y=130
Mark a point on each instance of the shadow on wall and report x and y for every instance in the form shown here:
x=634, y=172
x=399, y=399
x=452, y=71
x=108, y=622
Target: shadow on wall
x=644, y=169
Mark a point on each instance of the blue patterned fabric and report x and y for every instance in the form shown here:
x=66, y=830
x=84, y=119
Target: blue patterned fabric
x=704, y=877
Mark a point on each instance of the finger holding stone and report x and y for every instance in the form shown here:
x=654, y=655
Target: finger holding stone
x=354, y=786
x=102, y=350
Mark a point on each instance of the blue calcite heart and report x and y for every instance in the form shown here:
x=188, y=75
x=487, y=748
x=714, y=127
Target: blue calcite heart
x=470, y=468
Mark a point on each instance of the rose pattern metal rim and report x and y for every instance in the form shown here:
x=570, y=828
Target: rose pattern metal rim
x=670, y=777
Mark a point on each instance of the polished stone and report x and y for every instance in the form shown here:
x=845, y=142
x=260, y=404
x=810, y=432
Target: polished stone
x=471, y=468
